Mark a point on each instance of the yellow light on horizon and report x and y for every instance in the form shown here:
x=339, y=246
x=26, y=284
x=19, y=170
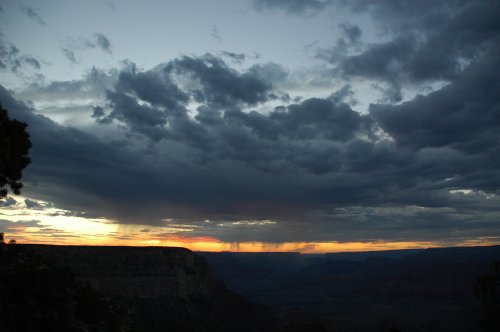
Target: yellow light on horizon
x=48, y=225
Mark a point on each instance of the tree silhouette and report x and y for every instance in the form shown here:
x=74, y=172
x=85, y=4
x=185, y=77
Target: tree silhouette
x=14, y=146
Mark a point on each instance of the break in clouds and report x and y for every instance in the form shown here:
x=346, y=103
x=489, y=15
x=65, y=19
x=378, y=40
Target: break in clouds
x=203, y=137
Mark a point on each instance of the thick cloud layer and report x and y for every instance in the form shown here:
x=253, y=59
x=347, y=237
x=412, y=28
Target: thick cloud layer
x=154, y=104
x=428, y=42
x=223, y=148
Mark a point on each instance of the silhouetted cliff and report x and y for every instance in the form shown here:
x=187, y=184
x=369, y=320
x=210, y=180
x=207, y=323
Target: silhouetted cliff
x=137, y=288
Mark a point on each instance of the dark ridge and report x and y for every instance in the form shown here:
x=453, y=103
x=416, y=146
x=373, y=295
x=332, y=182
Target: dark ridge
x=104, y=288
x=90, y=288
x=413, y=290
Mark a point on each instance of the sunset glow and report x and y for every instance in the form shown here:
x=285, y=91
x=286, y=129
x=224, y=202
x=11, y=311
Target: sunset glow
x=54, y=226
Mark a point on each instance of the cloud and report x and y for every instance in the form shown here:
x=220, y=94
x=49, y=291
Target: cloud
x=70, y=102
x=12, y=59
x=32, y=62
x=11, y=227
x=351, y=32
x=33, y=14
x=69, y=54
x=436, y=44
x=154, y=104
x=215, y=33
x=195, y=138
x=99, y=115
x=103, y=42
x=49, y=151
x=9, y=201
x=236, y=57
x=30, y=204
x=292, y=6
x=462, y=115
x=92, y=85
x=314, y=165
x=145, y=101
x=221, y=85
x=237, y=149
x=72, y=48
x=381, y=61
x=110, y=4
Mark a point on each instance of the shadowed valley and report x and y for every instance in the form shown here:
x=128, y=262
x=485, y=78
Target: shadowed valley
x=87, y=288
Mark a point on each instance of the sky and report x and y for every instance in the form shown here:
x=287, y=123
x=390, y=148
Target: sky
x=255, y=125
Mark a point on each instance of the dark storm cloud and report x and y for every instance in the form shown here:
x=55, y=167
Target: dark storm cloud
x=152, y=104
x=238, y=164
x=33, y=14
x=153, y=87
x=81, y=155
x=379, y=60
x=93, y=173
x=315, y=164
x=97, y=112
x=201, y=141
x=319, y=119
x=464, y=115
x=270, y=73
x=365, y=224
x=145, y=101
x=429, y=42
x=99, y=115
x=292, y=6
x=301, y=138
x=382, y=61
x=221, y=85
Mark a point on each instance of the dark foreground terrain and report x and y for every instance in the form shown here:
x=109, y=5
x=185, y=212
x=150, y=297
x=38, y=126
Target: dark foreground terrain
x=80, y=288
x=411, y=290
